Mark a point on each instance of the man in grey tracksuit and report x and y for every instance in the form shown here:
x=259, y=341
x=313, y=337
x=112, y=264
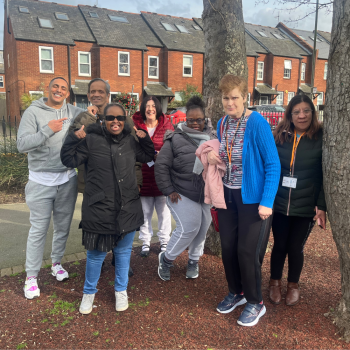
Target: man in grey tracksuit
x=52, y=188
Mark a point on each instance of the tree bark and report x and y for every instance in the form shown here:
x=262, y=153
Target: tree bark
x=225, y=53
x=336, y=151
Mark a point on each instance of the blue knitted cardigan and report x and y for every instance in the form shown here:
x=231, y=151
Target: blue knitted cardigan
x=260, y=162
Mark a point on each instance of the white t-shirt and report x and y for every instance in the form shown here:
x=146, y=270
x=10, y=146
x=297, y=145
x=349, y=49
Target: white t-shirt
x=51, y=179
x=151, y=131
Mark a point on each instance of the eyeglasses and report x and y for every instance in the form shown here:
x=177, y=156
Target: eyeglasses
x=306, y=112
x=192, y=121
x=110, y=118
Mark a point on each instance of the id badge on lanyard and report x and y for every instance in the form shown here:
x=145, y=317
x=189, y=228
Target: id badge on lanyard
x=289, y=181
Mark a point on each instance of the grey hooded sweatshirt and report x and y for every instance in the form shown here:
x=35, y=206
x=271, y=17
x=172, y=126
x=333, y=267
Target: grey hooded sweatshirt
x=37, y=139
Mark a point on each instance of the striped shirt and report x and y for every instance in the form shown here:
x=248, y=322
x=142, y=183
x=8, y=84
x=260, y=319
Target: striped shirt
x=235, y=180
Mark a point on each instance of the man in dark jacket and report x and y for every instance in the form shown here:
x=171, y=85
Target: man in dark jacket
x=98, y=94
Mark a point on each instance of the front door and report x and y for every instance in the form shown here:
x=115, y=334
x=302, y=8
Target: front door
x=81, y=101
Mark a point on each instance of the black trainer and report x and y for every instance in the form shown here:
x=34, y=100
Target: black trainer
x=163, y=268
x=192, y=269
x=230, y=302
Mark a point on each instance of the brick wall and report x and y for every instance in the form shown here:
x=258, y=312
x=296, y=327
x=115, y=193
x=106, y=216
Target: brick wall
x=3, y=89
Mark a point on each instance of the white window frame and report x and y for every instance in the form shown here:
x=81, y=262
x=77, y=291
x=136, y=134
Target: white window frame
x=260, y=71
x=79, y=63
x=134, y=93
x=186, y=66
x=113, y=93
x=52, y=58
x=287, y=72
x=150, y=76
x=280, y=93
x=124, y=74
x=2, y=81
x=292, y=94
x=318, y=102
x=325, y=71
x=265, y=97
x=36, y=93
x=248, y=99
x=303, y=70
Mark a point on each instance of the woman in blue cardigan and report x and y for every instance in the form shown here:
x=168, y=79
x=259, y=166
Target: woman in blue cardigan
x=250, y=185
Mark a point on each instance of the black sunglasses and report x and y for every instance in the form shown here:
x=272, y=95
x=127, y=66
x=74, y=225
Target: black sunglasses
x=110, y=118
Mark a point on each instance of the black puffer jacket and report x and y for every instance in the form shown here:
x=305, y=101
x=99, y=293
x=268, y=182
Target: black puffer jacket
x=174, y=166
x=302, y=200
x=111, y=203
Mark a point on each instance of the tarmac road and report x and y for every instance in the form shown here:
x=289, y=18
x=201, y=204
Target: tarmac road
x=14, y=227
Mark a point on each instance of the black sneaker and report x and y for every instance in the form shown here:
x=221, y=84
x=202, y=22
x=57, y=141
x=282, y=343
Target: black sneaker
x=251, y=314
x=192, y=269
x=163, y=268
x=145, y=250
x=230, y=302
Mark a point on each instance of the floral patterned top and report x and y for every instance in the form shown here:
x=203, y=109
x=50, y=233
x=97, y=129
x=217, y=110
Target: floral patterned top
x=235, y=180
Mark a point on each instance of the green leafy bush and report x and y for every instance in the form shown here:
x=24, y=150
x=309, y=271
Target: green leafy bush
x=125, y=99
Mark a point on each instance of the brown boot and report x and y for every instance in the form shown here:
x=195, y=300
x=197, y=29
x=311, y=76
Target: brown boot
x=275, y=291
x=293, y=294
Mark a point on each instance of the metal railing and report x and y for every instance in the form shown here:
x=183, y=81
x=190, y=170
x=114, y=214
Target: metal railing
x=9, y=126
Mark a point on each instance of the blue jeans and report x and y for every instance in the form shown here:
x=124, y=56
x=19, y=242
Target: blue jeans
x=95, y=258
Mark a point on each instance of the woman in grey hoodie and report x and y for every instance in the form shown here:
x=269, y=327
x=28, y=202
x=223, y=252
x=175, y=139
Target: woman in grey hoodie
x=178, y=176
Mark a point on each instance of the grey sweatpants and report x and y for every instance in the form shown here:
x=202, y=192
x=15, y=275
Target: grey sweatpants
x=42, y=202
x=192, y=223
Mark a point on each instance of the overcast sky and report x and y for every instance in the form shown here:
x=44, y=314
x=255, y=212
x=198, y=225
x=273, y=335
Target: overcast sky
x=254, y=11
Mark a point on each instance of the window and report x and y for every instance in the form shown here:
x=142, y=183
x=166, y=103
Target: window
x=177, y=96
x=84, y=63
x=279, y=98
x=287, y=69
x=168, y=27
x=317, y=39
x=196, y=27
x=325, y=71
x=290, y=96
x=62, y=16
x=113, y=96
x=46, y=59
x=320, y=99
x=264, y=100
x=248, y=99
x=187, y=64
x=45, y=23
x=135, y=96
x=124, y=63
x=260, y=71
x=23, y=9
x=1, y=81
x=262, y=33
x=181, y=28
x=93, y=14
x=277, y=36
x=153, y=67
x=118, y=19
x=36, y=94
x=303, y=69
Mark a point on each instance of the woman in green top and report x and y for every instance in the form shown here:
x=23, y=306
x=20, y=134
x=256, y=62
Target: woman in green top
x=299, y=143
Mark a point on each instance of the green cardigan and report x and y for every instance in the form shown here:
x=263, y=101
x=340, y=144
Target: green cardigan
x=302, y=200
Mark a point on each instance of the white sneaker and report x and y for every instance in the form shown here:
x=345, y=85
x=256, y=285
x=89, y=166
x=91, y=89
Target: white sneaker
x=87, y=304
x=121, y=301
x=31, y=289
x=58, y=271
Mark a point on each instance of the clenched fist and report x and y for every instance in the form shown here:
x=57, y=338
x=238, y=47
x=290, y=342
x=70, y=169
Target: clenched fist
x=56, y=125
x=80, y=134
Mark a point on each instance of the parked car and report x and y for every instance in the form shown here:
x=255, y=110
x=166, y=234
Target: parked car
x=177, y=115
x=272, y=113
x=181, y=109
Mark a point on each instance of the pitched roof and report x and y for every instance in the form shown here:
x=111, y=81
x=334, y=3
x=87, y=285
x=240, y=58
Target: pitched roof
x=158, y=89
x=281, y=45
x=135, y=34
x=26, y=25
x=193, y=41
x=306, y=88
x=265, y=89
x=322, y=47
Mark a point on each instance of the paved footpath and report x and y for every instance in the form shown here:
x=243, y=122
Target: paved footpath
x=14, y=227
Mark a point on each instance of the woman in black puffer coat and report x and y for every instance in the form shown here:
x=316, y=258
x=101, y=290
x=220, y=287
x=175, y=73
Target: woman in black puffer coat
x=111, y=209
x=178, y=176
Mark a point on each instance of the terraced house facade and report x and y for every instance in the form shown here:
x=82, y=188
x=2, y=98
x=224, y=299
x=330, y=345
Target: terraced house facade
x=144, y=53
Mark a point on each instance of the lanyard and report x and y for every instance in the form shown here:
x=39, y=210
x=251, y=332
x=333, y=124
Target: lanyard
x=229, y=152
x=295, y=146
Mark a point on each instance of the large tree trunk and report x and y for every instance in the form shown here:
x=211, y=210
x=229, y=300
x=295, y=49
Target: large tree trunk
x=225, y=53
x=336, y=151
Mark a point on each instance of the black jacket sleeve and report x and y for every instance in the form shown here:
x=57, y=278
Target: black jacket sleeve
x=144, y=149
x=163, y=167
x=74, y=151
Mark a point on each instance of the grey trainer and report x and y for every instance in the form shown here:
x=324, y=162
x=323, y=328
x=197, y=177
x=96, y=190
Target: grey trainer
x=192, y=269
x=86, y=304
x=121, y=301
x=163, y=268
